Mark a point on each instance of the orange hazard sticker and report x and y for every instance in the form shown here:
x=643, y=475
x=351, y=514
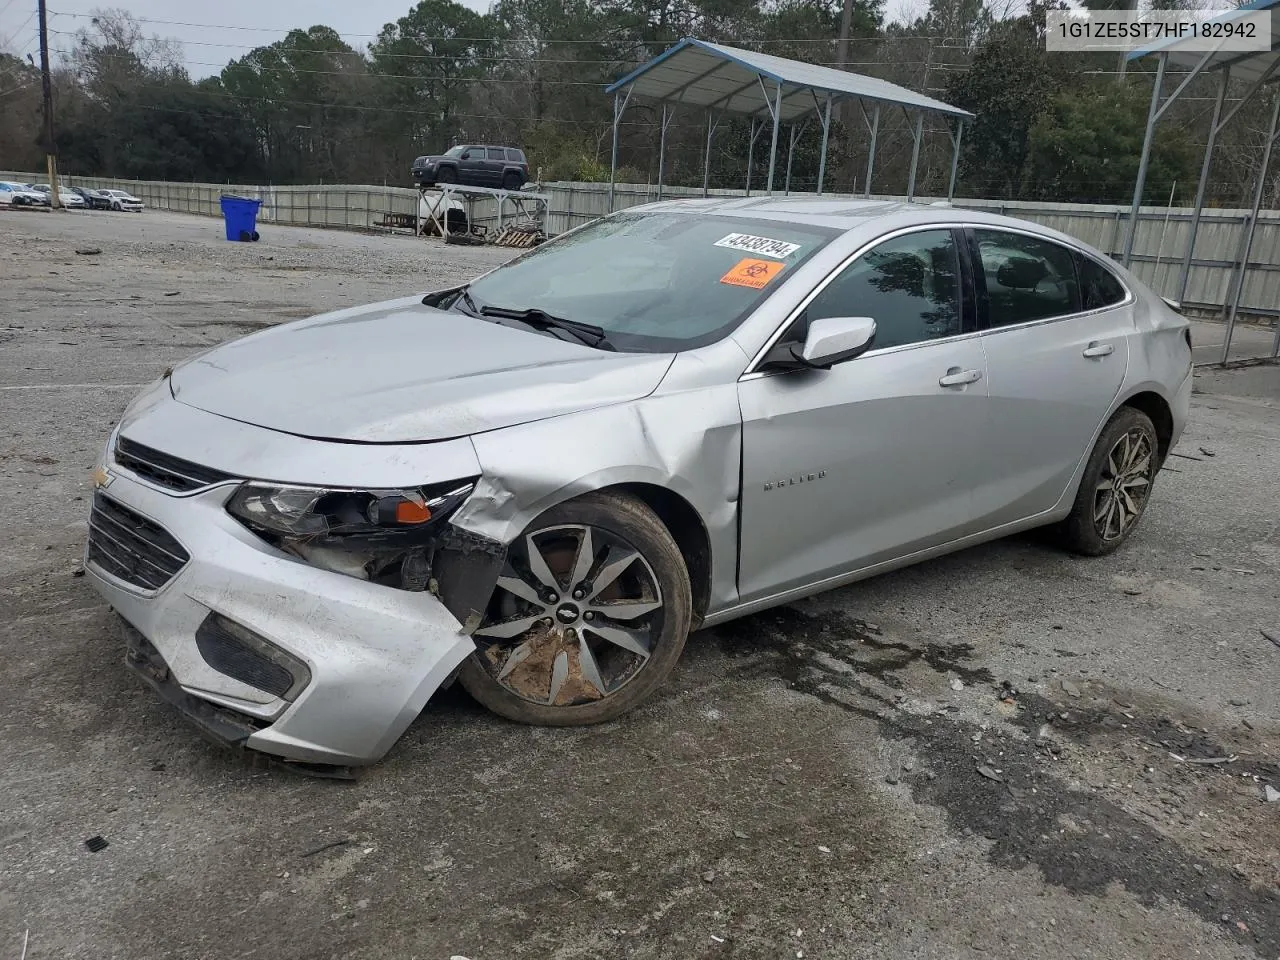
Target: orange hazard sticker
x=753, y=273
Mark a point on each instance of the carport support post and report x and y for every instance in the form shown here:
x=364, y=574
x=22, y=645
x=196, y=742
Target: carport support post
x=1204, y=180
x=871, y=153
x=619, y=105
x=1141, y=183
x=751, y=153
x=706, y=156
x=955, y=160
x=662, y=145
x=1243, y=268
x=916, y=136
x=826, y=130
x=773, y=147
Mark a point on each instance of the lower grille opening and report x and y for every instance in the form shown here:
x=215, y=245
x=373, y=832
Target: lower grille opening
x=241, y=654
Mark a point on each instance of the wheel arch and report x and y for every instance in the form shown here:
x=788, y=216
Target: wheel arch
x=1160, y=411
x=689, y=532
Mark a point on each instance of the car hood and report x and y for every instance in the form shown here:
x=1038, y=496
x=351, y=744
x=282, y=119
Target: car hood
x=401, y=372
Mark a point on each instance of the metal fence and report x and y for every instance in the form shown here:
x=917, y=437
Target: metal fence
x=1158, y=249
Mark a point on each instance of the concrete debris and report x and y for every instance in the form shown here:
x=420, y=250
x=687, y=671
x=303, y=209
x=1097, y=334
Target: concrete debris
x=1070, y=689
x=709, y=876
x=1270, y=794
x=990, y=774
x=717, y=939
x=824, y=849
x=740, y=835
x=957, y=683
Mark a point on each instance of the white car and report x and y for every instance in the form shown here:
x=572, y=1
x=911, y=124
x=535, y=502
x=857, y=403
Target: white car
x=66, y=198
x=20, y=195
x=123, y=200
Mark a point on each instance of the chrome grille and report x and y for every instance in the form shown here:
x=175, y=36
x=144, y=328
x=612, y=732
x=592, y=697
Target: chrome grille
x=172, y=473
x=127, y=545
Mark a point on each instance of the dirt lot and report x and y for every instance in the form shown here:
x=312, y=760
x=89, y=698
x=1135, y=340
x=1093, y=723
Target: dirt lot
x=971, y=758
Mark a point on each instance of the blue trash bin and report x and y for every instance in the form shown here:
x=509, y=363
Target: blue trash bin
x=240, y=215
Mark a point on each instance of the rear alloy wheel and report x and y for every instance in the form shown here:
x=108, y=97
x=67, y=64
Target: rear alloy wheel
x=1115, y=487
x=588, y=618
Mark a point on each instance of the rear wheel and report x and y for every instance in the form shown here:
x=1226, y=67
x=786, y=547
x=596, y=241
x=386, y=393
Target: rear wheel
x=588, y=618
x=1115, y=487
x=511, y=181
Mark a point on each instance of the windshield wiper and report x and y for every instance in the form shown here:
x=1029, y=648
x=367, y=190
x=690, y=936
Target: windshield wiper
x=587, y=333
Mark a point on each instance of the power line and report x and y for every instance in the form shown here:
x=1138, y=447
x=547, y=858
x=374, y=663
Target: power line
x=22, y=26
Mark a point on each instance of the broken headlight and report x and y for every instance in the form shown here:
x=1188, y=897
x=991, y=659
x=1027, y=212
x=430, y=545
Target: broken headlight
x=383, y=535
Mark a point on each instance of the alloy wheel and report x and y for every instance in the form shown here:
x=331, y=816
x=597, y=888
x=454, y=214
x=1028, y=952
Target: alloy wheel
x=576, y=616
x=1123, y=485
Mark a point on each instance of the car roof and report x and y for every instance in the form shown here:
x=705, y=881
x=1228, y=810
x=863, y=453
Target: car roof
x=846, y=214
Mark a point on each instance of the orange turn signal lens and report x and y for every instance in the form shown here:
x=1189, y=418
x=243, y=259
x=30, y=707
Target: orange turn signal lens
x=409, y=512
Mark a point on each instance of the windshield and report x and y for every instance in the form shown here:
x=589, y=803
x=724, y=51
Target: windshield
x=655, y=282
x=454, y=151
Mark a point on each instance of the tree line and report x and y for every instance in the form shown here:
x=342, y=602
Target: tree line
x=313, y=108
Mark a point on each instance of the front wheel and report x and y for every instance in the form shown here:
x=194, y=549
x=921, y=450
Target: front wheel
x=447, y=175
x=588, y=618
x=1116, y=485
x=116, y=206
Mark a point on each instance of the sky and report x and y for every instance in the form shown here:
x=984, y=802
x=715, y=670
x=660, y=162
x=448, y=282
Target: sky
x=218, y=32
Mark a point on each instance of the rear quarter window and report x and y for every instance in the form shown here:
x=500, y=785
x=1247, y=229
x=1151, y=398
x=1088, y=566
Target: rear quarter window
x=1099, y=287
x=515, y=155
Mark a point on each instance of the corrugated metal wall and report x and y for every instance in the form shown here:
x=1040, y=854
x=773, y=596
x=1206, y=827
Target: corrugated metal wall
x=1158, y=247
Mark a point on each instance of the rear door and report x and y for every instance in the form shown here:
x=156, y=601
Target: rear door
x=875, y=458
x=496, y=164
x=1056, y=336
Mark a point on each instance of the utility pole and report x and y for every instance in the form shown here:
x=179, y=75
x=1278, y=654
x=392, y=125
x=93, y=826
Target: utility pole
x=49, y=149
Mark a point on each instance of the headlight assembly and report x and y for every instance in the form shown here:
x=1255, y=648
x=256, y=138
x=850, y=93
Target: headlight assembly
x=309, y=513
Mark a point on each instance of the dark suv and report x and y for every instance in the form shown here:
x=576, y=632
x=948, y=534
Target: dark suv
x=474, y=166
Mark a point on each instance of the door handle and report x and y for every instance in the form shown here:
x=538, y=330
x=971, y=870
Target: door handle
x=1096, y=349
x=955, y=377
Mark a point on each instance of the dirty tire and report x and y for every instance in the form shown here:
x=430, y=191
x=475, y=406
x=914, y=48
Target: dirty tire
x=1080, y=532
x=631, y=520
x=511, y=181
x=446, y=175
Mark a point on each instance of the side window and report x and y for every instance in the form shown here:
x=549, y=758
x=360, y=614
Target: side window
x=515, y=155
x=909, y=285
x=1026, y=278
x=471, y=153
x=1098, y=286
x=496, y=153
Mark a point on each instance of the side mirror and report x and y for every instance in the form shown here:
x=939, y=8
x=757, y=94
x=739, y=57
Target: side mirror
x=831, y=340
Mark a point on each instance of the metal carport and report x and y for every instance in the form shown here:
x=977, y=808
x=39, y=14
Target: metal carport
x=1257, y=69
x=727, y=80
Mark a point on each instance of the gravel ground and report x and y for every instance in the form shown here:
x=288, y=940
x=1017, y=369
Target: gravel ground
x=973, y=757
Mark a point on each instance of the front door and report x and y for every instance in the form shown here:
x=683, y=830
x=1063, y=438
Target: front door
x=875, y=458
x=1057, y=346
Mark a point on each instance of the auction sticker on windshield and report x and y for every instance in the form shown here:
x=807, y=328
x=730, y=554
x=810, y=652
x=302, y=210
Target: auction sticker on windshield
x=755, y=274
x=761, y=246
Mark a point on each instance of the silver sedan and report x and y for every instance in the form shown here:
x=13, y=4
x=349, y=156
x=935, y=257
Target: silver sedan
x=539, y=483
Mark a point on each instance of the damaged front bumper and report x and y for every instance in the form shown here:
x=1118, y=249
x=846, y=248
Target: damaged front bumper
x=263, y=651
